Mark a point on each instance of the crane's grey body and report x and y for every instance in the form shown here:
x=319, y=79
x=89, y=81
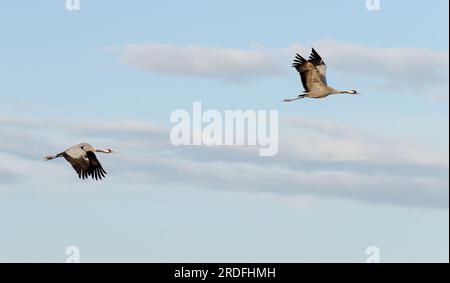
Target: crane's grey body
x=313, y=73
x=83, y=159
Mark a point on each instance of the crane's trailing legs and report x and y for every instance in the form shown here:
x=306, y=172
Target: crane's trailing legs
x=47, y=158
x=294, y=99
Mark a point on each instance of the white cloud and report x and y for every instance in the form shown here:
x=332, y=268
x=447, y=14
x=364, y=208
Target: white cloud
x=235, y=65
x=410, y=70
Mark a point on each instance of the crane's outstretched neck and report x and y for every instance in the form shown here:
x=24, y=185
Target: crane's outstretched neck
x=104, y=150
x=354, y=92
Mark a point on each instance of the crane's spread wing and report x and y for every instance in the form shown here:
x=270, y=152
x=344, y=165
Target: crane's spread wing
x=85, y=163
x=312, y=71
x=95, y=168
x=80, y=164
x=317, y=61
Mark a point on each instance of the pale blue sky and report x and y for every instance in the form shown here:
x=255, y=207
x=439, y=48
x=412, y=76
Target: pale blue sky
x=61, y=68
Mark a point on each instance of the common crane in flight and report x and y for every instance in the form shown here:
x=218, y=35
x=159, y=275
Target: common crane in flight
x=313, y=73
x=83, y=160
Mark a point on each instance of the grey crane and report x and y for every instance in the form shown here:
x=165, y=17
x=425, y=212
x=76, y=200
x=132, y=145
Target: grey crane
x=83, y=159
x=313, y=73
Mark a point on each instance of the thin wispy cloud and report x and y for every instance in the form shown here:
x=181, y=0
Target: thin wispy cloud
x=313, y=160
x=8, y=178
x=328, y=141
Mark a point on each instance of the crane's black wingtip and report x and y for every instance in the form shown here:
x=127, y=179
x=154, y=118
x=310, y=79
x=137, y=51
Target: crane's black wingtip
x=299, y=60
